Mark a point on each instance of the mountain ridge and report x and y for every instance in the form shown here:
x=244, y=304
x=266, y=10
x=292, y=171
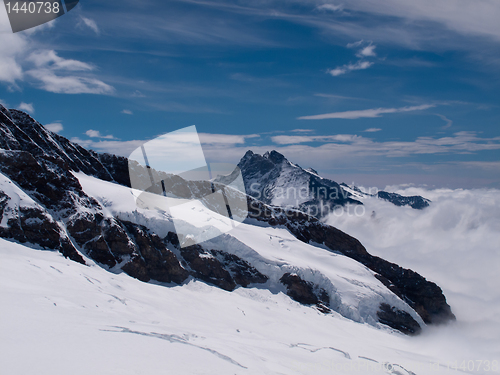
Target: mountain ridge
x=80, y=226
x=273, y=179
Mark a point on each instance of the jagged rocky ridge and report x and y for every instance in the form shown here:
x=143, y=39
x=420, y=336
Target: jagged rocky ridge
x=275, y=180
x=415, y=201
x=39, y=164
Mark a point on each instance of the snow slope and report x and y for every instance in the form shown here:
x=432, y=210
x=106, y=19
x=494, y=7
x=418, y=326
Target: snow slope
x=60, y=317
x=354, y=291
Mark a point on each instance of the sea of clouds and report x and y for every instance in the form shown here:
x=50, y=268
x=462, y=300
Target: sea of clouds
x=455, y=242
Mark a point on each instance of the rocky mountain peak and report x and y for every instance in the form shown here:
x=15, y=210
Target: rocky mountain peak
x=275, y=157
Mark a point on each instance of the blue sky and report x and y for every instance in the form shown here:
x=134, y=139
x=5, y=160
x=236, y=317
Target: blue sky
x=375, y=93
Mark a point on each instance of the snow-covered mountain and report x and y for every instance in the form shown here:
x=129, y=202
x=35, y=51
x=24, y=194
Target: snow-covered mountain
x=56, y=195
x=276, y=181
x=414, y=201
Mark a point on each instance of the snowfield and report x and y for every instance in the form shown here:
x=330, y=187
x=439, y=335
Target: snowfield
x=60, y=317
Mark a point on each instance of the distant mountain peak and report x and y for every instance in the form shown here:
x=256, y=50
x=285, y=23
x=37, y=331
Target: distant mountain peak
x=274, y=180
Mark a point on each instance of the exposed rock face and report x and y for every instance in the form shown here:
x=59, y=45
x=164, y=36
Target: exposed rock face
x=21, y=132
x=240, y=270
x=218, y=267
x=415, y=201
x=34, y=225
x=305, y=292
x=150, y=257
x=397, y=319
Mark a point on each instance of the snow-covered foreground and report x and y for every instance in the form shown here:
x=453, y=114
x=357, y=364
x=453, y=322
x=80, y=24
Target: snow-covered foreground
x=60, y=317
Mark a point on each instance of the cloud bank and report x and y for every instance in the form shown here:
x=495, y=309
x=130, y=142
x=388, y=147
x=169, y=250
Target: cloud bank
x=455, y=243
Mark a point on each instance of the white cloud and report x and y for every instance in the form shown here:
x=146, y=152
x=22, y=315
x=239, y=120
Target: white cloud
x=366, y=113
x=28, y=107
x=355, y=44
x=449, y=122
x=70, y=84
x=97, y=134
x=122, y=148
x=329, y=7
x=296, y=139
x=13, y=47
x=360, y=65
x=372, y=130
x=90, y=23
x=51, y=74
x=55, y=127
x=227, y=139
x=468, y=17
x=21, y=59
x=485, y=165
x=368, y=51
x=302, y=130
x=48, y=59
x=127, y=112
x=453, y=242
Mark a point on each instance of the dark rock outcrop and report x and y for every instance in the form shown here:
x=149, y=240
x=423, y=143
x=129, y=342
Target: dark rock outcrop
x=29, y=225
x=305, y=292
x=397, y=319
x=217, y=267
x=159, y=263
x=416, y=201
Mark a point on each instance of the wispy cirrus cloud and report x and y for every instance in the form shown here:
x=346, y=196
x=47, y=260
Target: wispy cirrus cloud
x=302, y=130
x=296, y=139
x=465, y=142
x=225, y=139
x=359, y=154
x=449, y=122
x=360, y=65
x=366, y=113
x=365, y=50
x=329, y=7
x=89, y=23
